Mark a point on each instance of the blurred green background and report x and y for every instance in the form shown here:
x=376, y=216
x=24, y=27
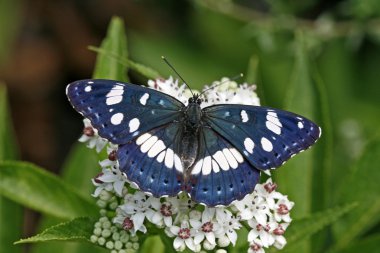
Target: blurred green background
x=317, y=58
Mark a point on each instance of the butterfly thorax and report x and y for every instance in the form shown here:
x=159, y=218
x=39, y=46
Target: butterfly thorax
x=193, y=113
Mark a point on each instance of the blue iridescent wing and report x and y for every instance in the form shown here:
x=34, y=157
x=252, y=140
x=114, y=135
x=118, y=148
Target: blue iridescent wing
x=267, y=137
x=120, y=111
x=152, y=160
x=220, y=173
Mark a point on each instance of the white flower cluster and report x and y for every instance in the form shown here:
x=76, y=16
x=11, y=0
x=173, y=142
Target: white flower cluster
x=264, y=212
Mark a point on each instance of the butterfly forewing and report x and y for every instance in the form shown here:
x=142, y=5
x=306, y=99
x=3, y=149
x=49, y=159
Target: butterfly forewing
x=121, y=111
x=220, y=173
x=267, y=137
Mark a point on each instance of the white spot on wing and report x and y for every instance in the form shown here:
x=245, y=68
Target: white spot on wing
x=266, y=144
x=237, y=155
x=221, y=160
x=178, y=163
x=197, y=168
x=90, y=82
x=249, y=145
x=273, y=127
x=148, y=144
x=300, y=125
x=161, y=156
x=230, y=158
x=272, y=117
x=144, y=99
x=215, y=166
x=115, y=95
x=206, y=168
x=169, y=158
x=156, y=148
x=134, y=124
x=114, y=100
x=244, y=116
x=88, y=88
x=117, y=118
x=141, y=139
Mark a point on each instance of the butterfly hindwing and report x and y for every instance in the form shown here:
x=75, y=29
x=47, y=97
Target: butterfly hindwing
x=152, y=160
x=121, y=111
x=220, y=173
x=267, y=137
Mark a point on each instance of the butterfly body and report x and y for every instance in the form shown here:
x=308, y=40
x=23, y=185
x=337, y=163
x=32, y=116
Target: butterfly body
x=215, y=154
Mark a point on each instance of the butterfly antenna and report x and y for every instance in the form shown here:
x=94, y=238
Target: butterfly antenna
x=175, y=71
x=229, y=80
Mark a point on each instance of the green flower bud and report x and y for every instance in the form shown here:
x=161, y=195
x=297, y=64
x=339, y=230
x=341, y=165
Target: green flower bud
x=118, y=245
x=106, y=233
x=101, y=241
x=97, y=231
x=93, y=238
x=109, y=245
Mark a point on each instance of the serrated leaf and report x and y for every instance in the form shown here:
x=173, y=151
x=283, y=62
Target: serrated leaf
x=300, y=230
x=116, y=43
x=362, y=185
x=40, y=190
x=10, y=229
x=79, y=229
x=138, y=67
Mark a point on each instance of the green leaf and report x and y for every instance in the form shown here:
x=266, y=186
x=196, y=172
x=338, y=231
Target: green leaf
x=78, y=229
x=154, y=244
x=80, y=166
x=116, y=43
x=300, y=230
x=138, y=67
x=295, y=178
x=8, y=149
x=11, y=214
x=362, y=185
x=40, y=190
x=323, y=183
x=369, y=244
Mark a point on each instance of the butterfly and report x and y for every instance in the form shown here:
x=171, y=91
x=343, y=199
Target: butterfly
x=215, y=154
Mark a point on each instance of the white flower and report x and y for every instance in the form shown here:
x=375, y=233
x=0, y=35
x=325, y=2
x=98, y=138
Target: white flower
x=229, y=92
x=111, y=160
x=256, y=247
x=206, y=227
x=171, y=87
x=164, y=214
x=278, y=232
x=228, y=223
x=253, y=206
x=109, y=180
x=268, y=192
x=263, y=232
x=282, y=209
x=138, y=206
x=90, y=135
x=184, y=236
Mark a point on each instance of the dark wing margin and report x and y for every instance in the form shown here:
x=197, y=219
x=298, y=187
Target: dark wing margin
x=220, y=174
x=267, y=137
x=121, y=111
x=152, y=161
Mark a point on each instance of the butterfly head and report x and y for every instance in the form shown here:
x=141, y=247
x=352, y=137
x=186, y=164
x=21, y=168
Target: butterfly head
x=195, y=99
